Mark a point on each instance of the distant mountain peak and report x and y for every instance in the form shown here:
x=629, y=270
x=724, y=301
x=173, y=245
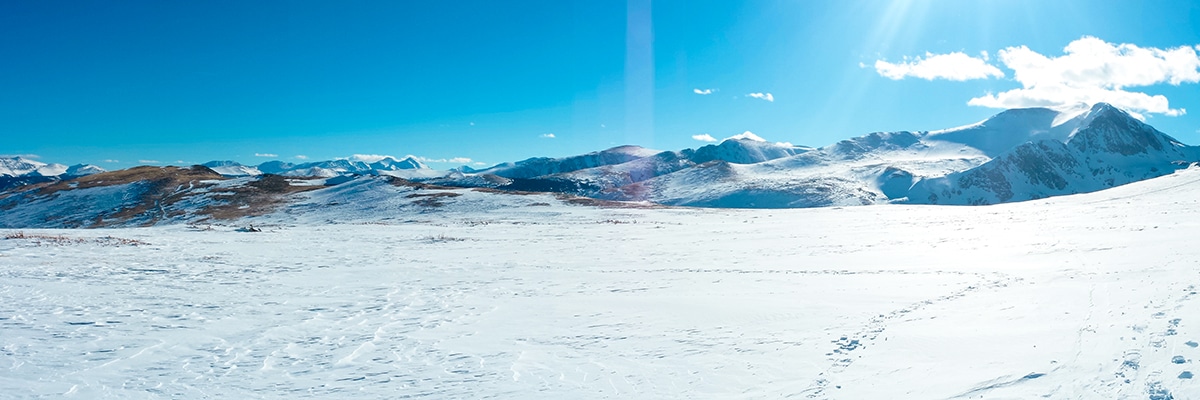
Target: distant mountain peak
x=747, y=135
x=631, y=150
x=224, y=163
x=18, y=166
x=84, y=170
x=390, y=163
x=1102, y=106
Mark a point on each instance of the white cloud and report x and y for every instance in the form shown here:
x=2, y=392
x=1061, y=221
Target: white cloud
x=704, y=137
x=480, y=163
x=25, y=156
x=764, y=96
x=1092, y=71
x=265, y=155
x=459, y=160
x=956, y=66
x=300, y=157
x=112, y=161
x=703, y=91
x=547, y=136
x=746, y=135
x=149, y=162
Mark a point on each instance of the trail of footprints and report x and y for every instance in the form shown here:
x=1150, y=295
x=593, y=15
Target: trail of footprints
x=841, y=356
x=1129, y=373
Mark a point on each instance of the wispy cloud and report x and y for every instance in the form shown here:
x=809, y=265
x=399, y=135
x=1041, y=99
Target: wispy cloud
x=704, y=137
x=111, y=161
x=478, y=163
x=547, y=136
x=28, y=156
x=300, y=157
x=956, y=66
x=703, y=91
x=265, y=155
x=149, y=162
x=764, y=96
x=1089, y=71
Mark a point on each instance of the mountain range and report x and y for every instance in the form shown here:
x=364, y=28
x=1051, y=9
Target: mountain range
x=323, y=169
x=1016, y=155
x=20, y=171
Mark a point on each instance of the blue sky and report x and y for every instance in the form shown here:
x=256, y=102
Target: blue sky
x=122, y=83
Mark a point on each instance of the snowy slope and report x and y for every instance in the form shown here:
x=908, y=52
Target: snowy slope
x=85, y=207
x=1090, y=296
x=1009, y=129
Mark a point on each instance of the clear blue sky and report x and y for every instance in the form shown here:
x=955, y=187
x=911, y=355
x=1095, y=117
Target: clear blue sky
x=90, y=81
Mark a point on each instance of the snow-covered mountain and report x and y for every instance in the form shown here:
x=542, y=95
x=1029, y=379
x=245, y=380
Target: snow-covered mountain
x=329, y=169
x=745, y=149
x=275, y=167
x=1098, y=149
x=23, y=167
x=601, y=174
x=20, y=171
x=543, y=166
x=83, y=170
x=974, y=164
x=1015, y=155
x=148, y=195
x=232, y=168
x=851, y=172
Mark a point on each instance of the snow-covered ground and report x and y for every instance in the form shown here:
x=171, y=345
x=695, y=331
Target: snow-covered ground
x=1087, y=296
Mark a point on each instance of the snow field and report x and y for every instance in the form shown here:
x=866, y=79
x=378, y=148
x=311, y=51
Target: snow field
x=1087, y=296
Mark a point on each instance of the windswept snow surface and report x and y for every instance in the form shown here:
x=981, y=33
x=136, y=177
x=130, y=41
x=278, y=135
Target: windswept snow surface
x=1090, y=296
